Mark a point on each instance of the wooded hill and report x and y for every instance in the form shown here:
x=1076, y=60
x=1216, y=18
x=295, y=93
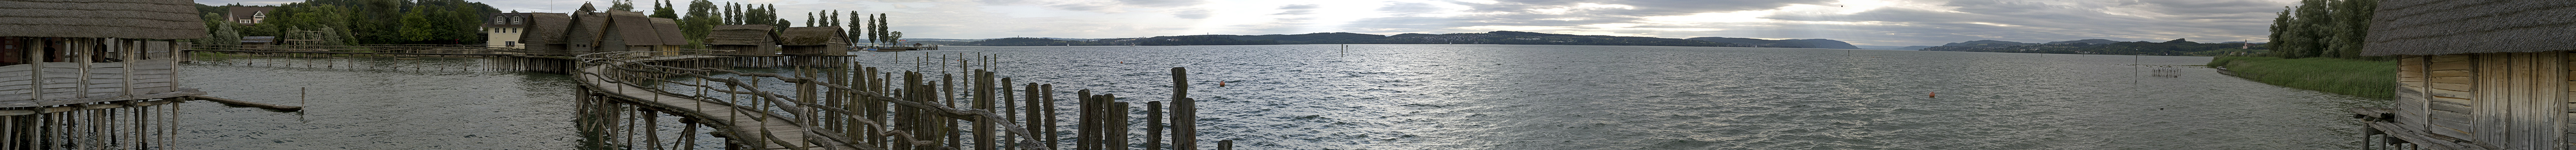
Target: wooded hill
x=1495, y=37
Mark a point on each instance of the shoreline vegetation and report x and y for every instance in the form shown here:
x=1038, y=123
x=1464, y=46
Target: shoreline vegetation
x=2359, y=78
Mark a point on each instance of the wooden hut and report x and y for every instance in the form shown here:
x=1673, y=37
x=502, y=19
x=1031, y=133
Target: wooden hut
x=2477, y=74
x=60, y=53
x=632, y=31
x=814, y=41
x=583, y=34
x=545, y=33
x=744, y=40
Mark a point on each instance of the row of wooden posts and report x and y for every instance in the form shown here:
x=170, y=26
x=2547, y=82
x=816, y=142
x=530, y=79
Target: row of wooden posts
x=128, y=124
x=547, y=64
x=858, y=106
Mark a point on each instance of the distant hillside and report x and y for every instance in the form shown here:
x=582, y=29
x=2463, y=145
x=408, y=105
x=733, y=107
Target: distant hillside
x=2090, y=41
x=1913, y=48
x=1495, y=37
x=1797, y=43
x=1983, y=43
x=2176, y=47
x=1890, y=47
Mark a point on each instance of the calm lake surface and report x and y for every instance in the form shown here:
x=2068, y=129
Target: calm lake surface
x=1537, y=97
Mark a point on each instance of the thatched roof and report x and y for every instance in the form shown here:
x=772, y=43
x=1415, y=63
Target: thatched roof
x=811, y=36
x=546, y=28
x=2435, y=27
x=640, y=30
x=587, y=28
x=139, y=19
x=669, y=31
x=749, y=34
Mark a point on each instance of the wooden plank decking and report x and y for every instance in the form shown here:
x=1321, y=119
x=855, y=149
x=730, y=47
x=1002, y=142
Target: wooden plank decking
x=744, y=125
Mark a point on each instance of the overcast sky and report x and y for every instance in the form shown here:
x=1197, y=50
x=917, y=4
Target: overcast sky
x=1861, y=22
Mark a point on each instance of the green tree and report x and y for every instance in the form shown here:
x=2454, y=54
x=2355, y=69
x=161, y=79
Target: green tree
x=2280, y=32
x=856, y=30
x=2352, y=24
x=417, y=26
x=662, y=9
x=622, y=5
x=700, y=20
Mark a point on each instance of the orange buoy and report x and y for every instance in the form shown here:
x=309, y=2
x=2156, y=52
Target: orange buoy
x=1220, y=83
x=1936, y=94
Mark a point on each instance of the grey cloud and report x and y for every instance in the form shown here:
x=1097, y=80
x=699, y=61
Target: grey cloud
x=1643, y=7
x=1191, y=13
x=1160, y=3
x=1079, y=7
x=1408, y=8
x=1298, y=9
x=1300, y=6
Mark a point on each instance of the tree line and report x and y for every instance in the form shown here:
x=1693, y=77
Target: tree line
x=357, y=22
x=2322, y=28
x=351, y=22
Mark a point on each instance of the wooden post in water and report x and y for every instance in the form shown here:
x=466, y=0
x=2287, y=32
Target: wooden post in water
x=984, y=101
x=1047, y=92
x=1036, y=123
x=1010, y=111
x=1154, y=125
x=1184, y=112
x=1086, y=126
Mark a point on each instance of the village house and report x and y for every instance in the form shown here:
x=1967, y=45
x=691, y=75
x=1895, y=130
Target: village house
x=247, y=16
x=744, y=40
x=505, y=29
x=2476, y=74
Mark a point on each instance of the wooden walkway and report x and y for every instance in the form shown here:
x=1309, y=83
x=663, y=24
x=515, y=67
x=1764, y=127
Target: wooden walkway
x=780, y=128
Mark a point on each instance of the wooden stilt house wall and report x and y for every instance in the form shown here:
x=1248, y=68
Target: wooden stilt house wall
x=744, y=40
x=545, y=34
x=814, y=41
x=2479, y=74
x=73, y=52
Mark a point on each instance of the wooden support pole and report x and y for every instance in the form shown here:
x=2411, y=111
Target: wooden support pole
x=1154, y=125
x=1184, y=112
x=1053, y=132
x=1036, y=123
x=1087, y=127
x=1010, y=112
x=984, y=101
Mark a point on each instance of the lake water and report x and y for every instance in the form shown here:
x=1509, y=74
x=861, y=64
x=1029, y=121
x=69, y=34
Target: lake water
x=1424, y=97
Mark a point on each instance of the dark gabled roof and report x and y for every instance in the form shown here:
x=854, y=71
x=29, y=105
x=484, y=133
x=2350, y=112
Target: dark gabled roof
x=246, y=12
x=2436, y=27
x=587, y=28
x=139, y=19
x=811, y=36
x=640, y=30
x=749, y=34
x=669, y=30
x=546, y=28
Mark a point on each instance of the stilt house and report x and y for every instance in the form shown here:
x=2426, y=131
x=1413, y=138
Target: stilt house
x=613, y=31
x=2477, y=74
x=64, y=53
x=745, y=40
x=545, y=34
x=814, y=41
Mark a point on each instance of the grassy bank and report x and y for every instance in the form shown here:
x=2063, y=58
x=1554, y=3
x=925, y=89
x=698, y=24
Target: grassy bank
x=2361, y=78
